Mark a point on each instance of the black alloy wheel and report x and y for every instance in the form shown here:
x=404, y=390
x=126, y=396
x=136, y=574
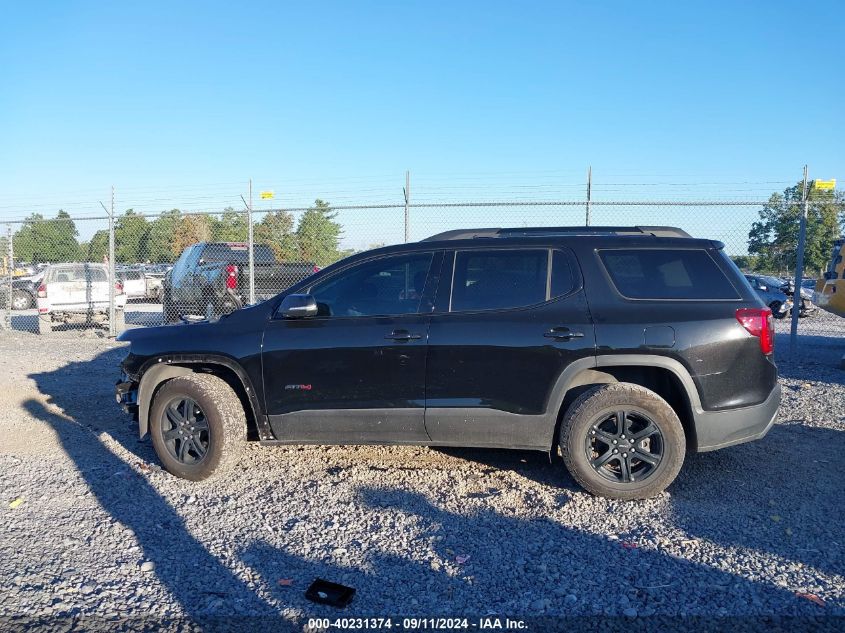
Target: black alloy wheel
x=184, y=431
x=624, y=446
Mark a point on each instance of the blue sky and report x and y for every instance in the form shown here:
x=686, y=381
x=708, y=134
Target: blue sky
x=183, y=102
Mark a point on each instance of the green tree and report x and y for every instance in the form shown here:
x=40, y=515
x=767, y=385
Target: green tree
x=97, y=248
x=230, y=227
x=131, y=234
x=746, y=262
x=190, y=230
x=160, y=246
x=774, y=237
x=276, y=230
x=40, y=240
x=318, y=235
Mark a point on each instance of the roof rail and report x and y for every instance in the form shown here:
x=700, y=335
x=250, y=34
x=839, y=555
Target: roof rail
x=466, y=234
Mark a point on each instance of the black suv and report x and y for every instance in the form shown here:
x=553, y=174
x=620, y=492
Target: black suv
x=623, y=347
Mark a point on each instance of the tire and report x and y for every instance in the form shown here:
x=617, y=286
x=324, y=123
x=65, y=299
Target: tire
x=775, y=307
x=22, y=300
x=45, y=324
x=592, y=418
x=225, y=424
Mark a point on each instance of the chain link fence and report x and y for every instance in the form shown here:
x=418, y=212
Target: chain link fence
x=98, y=275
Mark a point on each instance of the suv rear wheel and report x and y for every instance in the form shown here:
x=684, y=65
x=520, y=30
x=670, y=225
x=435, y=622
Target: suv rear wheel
x=622, y=441
x=197, y=424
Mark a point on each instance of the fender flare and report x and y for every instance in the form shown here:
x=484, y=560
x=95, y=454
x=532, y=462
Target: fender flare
x=164, y=368
x=570, y=378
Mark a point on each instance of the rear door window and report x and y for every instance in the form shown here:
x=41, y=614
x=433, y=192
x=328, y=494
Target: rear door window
x=497, y=279
x=667, y=274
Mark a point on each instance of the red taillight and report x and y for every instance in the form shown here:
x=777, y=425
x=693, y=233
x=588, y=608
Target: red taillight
x=118, y=287
x=316, y=269
x=759, y=323
x=232, y=277
x=42, y=291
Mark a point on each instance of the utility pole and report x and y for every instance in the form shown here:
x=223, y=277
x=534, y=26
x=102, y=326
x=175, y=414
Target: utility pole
x=407, y=192
x=589, y=191
x=112, y=328
x=251, y=249
x=799, y=265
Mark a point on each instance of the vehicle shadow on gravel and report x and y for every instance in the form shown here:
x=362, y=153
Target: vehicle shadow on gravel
x=542, y=468
x=791, y=507
x=784, y=492
x=513, y=565
x=198, y=581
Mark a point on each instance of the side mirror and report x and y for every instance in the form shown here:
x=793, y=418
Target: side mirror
x=297, y=307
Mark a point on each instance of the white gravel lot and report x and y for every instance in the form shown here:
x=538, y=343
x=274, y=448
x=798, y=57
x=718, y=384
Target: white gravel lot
x=416, y=531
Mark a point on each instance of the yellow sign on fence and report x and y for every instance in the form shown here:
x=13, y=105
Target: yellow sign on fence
x=267, y=195
x=825, y=185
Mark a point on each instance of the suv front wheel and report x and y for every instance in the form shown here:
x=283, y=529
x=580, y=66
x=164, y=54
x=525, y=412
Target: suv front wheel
x=622, y=441
x=197, y=425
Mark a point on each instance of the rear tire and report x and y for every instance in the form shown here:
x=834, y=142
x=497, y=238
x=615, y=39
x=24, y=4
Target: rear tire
x=22, y=300
x=206, y=442
x=600, y=448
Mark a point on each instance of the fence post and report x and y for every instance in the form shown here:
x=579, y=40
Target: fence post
x=407, y=192
x=7, y=318
x=589, y=192
x=799, y=266
x=251, y=245
x=112, y=280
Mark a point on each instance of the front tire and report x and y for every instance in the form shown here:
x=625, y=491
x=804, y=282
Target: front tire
x=197, y=425
x=622, y=441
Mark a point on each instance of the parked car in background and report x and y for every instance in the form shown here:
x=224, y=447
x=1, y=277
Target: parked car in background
x=212, y=278
x=770, y=291
x=24, y=291
x=622, y=347
x=806, y=305
x=138, y=283
x=78, y=292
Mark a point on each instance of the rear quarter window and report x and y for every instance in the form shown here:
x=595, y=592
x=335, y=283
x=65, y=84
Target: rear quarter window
x=667, y=274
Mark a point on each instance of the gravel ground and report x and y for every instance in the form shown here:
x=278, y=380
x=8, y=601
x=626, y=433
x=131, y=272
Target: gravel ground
x=101, y=531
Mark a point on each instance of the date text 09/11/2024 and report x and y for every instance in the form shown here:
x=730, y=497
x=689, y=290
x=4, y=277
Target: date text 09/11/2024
x=490, y=623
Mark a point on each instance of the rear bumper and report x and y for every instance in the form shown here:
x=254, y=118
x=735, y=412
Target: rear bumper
x=720, y=429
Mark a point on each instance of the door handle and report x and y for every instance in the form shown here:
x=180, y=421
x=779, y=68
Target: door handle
x=563, y=334
x=402, y=336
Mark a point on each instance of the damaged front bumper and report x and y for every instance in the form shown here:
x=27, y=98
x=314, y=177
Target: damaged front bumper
x=126, y=394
